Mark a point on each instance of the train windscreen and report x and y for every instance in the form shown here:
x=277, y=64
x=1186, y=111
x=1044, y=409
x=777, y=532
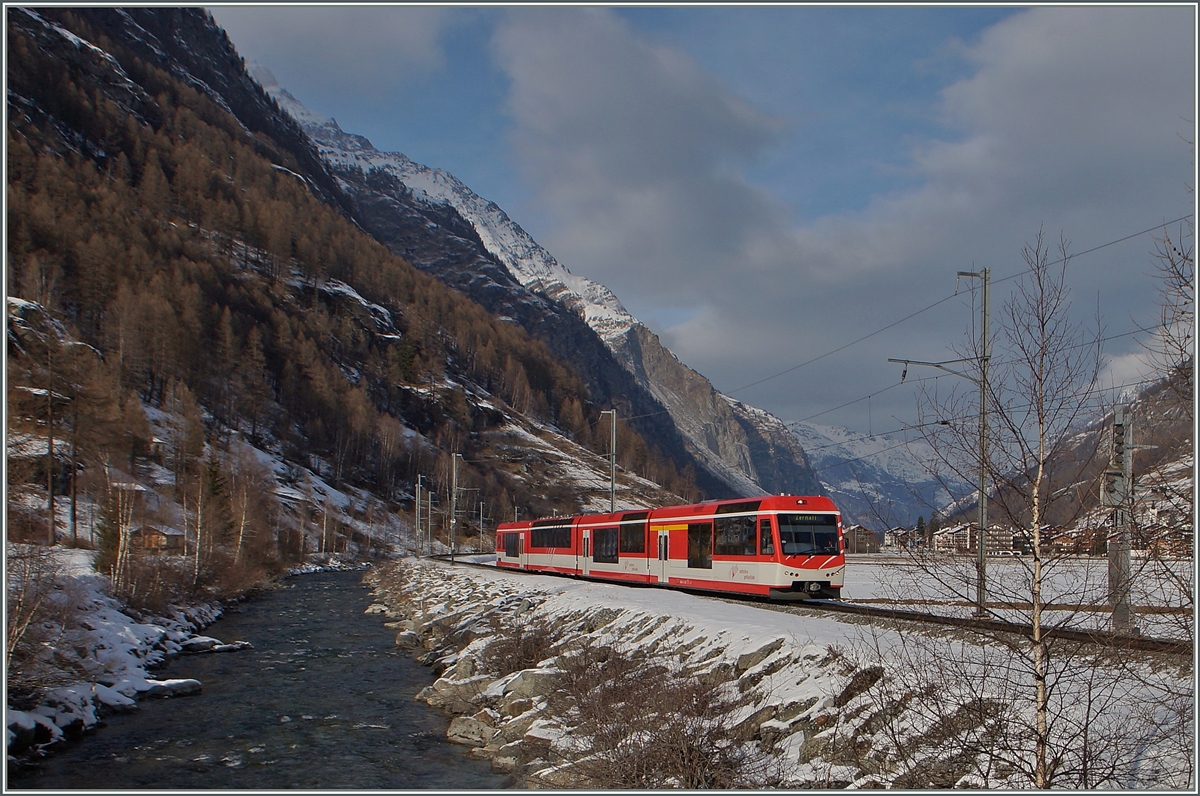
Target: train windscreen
x=808, y=534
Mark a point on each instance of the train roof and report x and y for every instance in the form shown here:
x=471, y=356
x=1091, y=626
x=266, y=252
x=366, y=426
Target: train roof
x=776, y=503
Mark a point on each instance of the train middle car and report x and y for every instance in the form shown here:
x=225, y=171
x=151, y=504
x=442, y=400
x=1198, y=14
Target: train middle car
x=776, y=546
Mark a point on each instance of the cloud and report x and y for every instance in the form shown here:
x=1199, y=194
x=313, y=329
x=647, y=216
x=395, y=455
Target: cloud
x=635, y=150
x=369, y=50
x=1067, y=117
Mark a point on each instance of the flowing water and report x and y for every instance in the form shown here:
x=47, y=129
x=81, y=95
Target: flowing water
x=324, y=700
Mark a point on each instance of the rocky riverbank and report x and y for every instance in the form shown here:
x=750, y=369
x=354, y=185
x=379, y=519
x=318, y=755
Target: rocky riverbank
x=566, y=689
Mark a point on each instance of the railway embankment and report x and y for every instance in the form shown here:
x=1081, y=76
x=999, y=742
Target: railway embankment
x=569, y=684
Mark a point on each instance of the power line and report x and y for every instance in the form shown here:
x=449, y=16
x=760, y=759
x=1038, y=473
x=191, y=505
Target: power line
x=944, y=300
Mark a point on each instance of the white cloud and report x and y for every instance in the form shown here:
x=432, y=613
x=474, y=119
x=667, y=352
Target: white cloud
x=325, y=49
x=1070, y=119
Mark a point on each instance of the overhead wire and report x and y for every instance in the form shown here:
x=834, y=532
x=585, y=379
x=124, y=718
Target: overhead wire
x=941, y=301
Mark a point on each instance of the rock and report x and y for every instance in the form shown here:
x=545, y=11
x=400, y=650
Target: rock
x=514, y=730
x=469, y=732
x=377, y=608
x=172, y=688
x=198, y=644
x=233, y=647
x=749, y=660
x=406, y=639
x=748, y=729
x=531, y=683
x=456, y=696
x=114, y=700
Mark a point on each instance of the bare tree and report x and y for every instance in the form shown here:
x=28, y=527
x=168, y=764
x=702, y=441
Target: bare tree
x=1042, y=392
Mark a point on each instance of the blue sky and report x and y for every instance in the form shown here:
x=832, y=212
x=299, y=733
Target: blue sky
x=762, y=185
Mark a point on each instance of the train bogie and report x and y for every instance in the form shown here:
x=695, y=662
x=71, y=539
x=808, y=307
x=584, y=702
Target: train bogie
x=784, y=546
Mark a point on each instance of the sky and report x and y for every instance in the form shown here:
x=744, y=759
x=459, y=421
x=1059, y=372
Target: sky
x=764, y=187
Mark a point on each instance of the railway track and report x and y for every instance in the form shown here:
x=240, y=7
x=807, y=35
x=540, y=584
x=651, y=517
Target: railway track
x=1097, y=637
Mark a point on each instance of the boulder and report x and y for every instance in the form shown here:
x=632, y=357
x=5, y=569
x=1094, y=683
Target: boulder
x=171, y=688
x=455, y=696
x=513, y=730
x=749, y=660
x=531, y=683
x=406, y=639
x=198, y=644
x=468, y=731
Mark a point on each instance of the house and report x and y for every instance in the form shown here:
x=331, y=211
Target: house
x=858, y=539
x=158, y=540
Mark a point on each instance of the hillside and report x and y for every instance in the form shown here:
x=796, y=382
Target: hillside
x=195, y=316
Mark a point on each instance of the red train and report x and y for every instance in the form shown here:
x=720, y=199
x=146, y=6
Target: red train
x=770, y=546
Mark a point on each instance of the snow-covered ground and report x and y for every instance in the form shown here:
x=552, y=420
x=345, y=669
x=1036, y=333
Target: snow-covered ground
x=834, y=697
x=946, y=585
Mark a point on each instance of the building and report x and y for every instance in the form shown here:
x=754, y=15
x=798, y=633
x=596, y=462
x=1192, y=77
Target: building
x=860, y=540
x=167, y=541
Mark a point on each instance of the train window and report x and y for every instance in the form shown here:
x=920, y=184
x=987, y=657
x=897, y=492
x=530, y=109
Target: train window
x=553, y=536
x=511, y=542
x=700, y=539
x=604, y=545
x=735, y=536
x=633, y=538
x=766, y=542
x=808, y=534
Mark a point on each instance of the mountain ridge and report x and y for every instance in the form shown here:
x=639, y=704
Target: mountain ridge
x=729, y=446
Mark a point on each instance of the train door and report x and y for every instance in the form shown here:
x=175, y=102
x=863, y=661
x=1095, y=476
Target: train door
x=658, y=572
x=584, y=567
x=522, y=556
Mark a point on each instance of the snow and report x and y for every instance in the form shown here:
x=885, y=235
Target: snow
x=113, y=651
x=804, y=662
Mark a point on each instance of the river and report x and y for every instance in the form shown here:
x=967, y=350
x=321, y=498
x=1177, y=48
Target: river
x=324, y=701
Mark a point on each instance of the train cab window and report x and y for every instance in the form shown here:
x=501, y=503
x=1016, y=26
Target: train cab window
x=808, y=534
x=766, y=542
x=604, y=545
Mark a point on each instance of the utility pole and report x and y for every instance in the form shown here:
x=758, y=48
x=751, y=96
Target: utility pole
x=984, y=275
x=417, y=522
x=453, y=502
x=612, y=453
x=429, y=523
x=1115, y=492
x=481, y=526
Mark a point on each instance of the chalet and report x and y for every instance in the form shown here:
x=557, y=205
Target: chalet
x=158, y=540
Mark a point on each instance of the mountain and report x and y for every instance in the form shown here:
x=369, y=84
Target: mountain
x=883, y=480
x=412, y=208
x=193, y=301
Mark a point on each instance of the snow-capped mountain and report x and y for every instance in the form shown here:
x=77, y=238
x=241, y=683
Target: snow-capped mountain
x=882, y=480
x=399, y=200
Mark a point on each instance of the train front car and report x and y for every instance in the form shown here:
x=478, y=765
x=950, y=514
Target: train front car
x=779, y=546
x=810, y=556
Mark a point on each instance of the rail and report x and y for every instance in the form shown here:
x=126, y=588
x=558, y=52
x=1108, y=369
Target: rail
x=1097, y=637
